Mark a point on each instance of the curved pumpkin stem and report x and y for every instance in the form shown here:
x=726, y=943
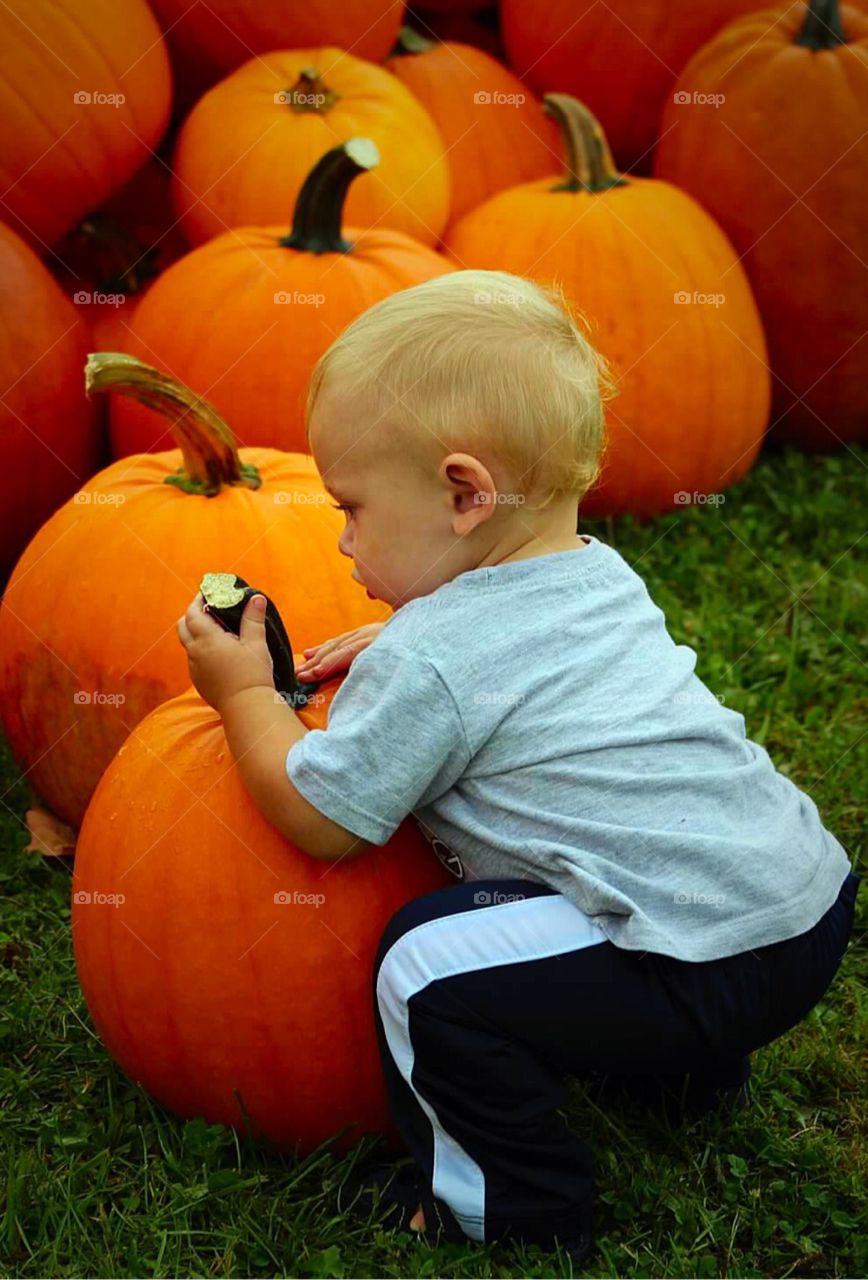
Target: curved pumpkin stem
x=210, y=454
x=822, y=27
x=319, y=209
x=411, y=41
x=589, y=162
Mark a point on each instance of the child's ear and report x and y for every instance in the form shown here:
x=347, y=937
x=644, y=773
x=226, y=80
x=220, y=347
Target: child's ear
x=472, y=489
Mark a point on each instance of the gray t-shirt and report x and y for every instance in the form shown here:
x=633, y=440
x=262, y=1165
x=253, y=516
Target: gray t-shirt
x=539, y=722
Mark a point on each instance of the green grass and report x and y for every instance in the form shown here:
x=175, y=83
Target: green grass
x=100, y=1181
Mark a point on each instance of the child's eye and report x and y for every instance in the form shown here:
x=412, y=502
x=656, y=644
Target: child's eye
x=341, y=506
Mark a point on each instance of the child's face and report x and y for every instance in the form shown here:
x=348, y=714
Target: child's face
x=398, y=528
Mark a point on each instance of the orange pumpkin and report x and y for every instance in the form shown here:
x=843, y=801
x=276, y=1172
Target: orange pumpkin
x=85, y=653
x=227, y=972
x=86, y=96
x=621, y=57
x=492, y=128
x=670, y=307
x=786, y=120
x=209, y=40
x=50, y=441
x=212, y=318
x=249, y=143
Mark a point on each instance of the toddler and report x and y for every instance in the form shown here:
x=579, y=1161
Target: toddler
x=640, y=894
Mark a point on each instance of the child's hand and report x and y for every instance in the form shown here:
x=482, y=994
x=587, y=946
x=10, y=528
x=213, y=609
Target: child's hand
x=336, y=655
x=221, y=663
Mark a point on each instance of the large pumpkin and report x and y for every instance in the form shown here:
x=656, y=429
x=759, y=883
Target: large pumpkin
x=492, y=128
x=84, y=97
x=87, y=624
x=244, y=318
x=50, y=440
x=778, y=153
x=620, y=57
x=670, y=307
x=209, y=40
x=248, y=144
x=225, y=970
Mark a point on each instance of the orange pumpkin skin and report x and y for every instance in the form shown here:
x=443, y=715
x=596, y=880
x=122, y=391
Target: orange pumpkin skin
x=83, y=657
x=50, y=441
x=217, y=999
x=60, y=156
x=492, y=128
x=241, y=157
x=694, y=390
x=790, y=137
x=621, y=57
x=208, y=41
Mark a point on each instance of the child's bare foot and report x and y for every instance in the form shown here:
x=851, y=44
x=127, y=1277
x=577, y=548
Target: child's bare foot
x=417, y=1222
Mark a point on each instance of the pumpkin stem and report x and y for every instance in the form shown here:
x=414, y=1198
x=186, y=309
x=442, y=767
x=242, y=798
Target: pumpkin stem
x=124, y=265
x=411, y=41
x=316, y=223
x=589, y=162
x=309, y=93
x=210, y=455
x=822, y=27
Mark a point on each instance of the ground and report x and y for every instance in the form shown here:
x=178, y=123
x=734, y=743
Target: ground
x=100, y=1181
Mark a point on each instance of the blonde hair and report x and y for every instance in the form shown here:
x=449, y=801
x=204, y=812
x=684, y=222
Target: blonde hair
x=485, y=361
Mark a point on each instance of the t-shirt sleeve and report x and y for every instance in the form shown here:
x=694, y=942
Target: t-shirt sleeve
x=394, y=736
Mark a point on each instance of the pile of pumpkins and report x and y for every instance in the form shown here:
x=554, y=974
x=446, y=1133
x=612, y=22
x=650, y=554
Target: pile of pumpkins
x=213, y=192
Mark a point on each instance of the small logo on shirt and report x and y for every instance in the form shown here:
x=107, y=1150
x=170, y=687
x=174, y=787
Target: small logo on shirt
x=450, y=860
x=447, y=856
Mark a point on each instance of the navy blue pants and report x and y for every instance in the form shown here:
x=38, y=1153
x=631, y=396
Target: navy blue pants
x=487, y=994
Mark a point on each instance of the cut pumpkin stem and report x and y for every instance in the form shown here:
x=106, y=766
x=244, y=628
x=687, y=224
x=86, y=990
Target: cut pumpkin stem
x=211, y=458
x=822, y=28
x=319, y=209
x=411, y=41
x=588, y=160
x=226, y=596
